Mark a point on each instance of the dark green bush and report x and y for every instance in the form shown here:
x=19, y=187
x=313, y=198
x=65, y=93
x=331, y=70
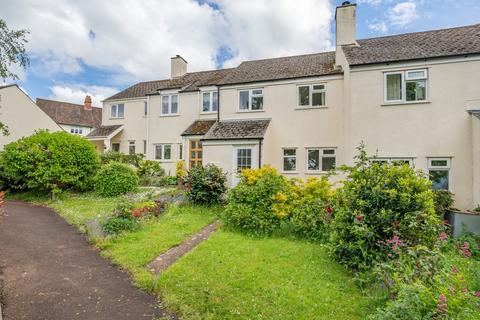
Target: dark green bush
x=443, y=201
x=116, y=178
x=49, y=161
x=115, y=225
x=205, y=184
x=260, y=202
x=379, y=206
x=114, y=156
x=312, y=214
x=150, y=172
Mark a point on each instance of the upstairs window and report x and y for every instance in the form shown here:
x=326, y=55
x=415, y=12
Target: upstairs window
x=250, y=100
x=76, y=130
x=439, y=173
x=319, y=159
x=406, y=86
x=117, y=110
x=170, y=104
x=210, y=101
x=312, y=95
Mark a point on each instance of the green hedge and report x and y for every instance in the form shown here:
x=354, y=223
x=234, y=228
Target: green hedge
x=116, y=178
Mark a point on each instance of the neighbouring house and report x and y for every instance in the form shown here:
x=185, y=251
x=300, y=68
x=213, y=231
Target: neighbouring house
x=22, y=116
x=74, y=118
x=411, y=98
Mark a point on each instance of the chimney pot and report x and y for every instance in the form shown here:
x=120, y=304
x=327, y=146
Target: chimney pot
x=178, y=66
x=88, y=103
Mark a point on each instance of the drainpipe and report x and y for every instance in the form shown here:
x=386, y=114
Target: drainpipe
x=148, y=127
x=218, y=103
x=260, y=152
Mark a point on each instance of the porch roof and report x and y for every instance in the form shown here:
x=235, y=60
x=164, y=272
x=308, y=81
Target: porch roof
x=104, y=132
x=237, y=129
x=198, y=127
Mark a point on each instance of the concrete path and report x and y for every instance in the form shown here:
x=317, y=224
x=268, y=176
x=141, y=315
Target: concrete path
x=168, y=258
x=49, y=271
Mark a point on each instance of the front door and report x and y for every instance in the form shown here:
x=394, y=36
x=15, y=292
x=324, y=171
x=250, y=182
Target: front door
x=243, y=158
x=196, y=153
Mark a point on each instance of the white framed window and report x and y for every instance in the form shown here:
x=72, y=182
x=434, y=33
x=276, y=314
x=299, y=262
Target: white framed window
x=250, y=100
x=76, y=130
x=145, y=108
x=289, y=159
x=163, y=152
x=170, y=104
x=439, y=173
x=180, y=151
x=321, y=159
x=243, y=159
x=405, y=86
x=210, y=101
x=131, y=147
x=394, y=161
x=116, y=146
x=311, y=95
x=118, y=110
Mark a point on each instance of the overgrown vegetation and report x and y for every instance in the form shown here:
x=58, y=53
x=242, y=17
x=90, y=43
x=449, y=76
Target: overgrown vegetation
x=205, y=185
x=49, y=162
x=114, y=156
x=115, y=179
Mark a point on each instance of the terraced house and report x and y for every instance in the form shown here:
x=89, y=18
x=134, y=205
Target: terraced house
x=413, y=98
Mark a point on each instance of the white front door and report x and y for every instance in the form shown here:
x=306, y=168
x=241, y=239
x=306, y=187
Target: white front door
x=243, y=158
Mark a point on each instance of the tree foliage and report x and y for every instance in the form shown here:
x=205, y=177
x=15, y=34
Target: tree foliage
x=12, y=50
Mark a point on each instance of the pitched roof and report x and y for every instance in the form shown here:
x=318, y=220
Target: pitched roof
x=237, y=129
x=418, y=45
x=70, y=113
x=307, y=65
x=189, y=82
x=199, y=127
x=103, y=131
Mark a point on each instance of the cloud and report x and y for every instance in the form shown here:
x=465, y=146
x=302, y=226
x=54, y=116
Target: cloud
x=76, y=93
x=378, y=26
x=370, y=2
x=403, y=14
x=133, y=40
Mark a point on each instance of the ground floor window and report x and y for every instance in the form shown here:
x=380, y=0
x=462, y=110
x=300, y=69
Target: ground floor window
x=394, y=161
x=163, y=152
x=131, y=147
x=321, y=159
x=180, y=151
x=145, y=147
x=244, y=159
x=289, y=159
x=116, y=147
x=439, y=173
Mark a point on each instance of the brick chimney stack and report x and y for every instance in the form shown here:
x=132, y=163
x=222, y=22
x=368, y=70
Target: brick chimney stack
x=88, y=103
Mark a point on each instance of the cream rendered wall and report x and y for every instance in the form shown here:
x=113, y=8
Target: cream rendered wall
x=439, y=128
x=134, y=121
x=476, y=160
x=21, y=115
x=167, y=129
x=290, y=126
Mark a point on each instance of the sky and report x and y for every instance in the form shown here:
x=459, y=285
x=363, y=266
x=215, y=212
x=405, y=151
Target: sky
x=99, y=47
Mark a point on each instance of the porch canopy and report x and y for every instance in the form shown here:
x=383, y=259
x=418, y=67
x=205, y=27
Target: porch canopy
x=104, y=134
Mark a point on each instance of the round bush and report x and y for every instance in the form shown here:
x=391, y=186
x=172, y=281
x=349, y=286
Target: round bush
x=260, y=201
x=380, y=209
x=116, y=178
x=49, y=161
x=205, y=184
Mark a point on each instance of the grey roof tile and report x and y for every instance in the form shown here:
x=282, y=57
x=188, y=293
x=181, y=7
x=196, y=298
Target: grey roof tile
x=70, y=113
x=237, y=129
x=199, y=127
x=103, y=131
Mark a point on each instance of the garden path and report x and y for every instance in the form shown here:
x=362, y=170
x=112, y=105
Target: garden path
x=169, y=257
x=49, y=271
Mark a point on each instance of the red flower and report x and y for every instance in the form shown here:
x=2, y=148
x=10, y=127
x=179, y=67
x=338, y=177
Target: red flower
x=359, y=218
x=328, y=210
x=465, y=250
x=454, y=270
x=476, y=294
x=137, y=213
x=442, y=236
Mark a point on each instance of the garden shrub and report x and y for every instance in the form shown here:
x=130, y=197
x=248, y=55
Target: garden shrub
x=114, y=156
x=115, y=225
x=205, y=184
x=312, y=210
x=150, y=172
x=49, y=161
x=381, y=206
x=443, y=201
x=116, y=178
x=261, y=201
x=180, y=171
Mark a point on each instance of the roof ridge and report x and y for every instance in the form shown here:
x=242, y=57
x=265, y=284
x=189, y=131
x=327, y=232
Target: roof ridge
x=66, y=102
x=291, y=56
x=418, y=32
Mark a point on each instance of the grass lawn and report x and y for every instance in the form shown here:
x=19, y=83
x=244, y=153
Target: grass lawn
x=134, y=250
x=236, y=276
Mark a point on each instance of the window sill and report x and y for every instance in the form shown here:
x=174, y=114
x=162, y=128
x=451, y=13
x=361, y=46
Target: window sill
x=311, y=108
x=169, y=115
x=250, y=111
x=164, y=161
x=117, y=118
x=316, y=172
x=208, y=112
x=289, y=172
x=387, y=104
